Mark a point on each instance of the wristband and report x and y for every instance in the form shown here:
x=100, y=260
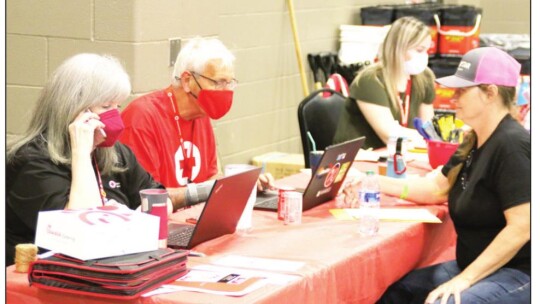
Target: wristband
x=404, y=192
x=198, y=193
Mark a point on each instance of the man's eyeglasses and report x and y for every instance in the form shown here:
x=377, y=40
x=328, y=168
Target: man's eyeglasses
x=466, y=169
x=218, y=84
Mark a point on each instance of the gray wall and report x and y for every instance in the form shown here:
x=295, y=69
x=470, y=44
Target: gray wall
x=40, y=34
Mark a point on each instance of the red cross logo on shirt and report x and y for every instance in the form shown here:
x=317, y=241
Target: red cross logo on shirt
x=188, y=163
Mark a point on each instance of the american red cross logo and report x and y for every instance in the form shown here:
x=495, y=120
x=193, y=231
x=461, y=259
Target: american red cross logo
x=188, y=163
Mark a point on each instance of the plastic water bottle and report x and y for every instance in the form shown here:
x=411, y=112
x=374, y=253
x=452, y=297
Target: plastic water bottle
x=370, y=198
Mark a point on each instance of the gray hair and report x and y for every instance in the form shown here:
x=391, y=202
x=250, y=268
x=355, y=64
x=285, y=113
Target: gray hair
x=197, y=53
x=80, y=82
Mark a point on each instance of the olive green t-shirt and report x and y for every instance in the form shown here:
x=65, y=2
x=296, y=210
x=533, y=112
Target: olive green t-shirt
x=352, y=123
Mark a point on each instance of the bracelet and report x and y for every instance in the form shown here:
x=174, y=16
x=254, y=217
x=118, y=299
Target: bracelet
x=405, y=192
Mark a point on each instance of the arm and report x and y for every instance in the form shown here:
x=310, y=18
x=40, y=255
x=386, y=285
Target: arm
x=426, y=112
x=383, y=123
x=84, y=191
x=502, y=249
x=190, y=195
x=421, y=190
x=178, y=197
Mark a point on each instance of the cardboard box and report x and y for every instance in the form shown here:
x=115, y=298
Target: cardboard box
x=97, y=232
x=279, y=164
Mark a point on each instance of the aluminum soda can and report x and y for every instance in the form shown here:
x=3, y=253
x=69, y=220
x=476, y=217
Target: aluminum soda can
x=292, y=208
x=281, y=191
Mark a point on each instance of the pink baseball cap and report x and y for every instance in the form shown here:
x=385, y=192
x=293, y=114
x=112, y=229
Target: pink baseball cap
x=485, y=65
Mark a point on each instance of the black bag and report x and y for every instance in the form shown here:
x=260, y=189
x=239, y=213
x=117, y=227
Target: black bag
x=121, y=277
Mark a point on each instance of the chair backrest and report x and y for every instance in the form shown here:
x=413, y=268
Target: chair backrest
x=319, y=116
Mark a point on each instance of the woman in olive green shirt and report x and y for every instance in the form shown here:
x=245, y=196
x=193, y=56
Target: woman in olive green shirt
x=387, y=96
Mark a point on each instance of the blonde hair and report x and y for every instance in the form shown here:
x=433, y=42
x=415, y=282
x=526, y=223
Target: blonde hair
x=80, y=82
x=404, y=34
x=197, y=53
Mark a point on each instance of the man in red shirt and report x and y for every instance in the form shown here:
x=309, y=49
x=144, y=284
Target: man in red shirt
x=170, y=130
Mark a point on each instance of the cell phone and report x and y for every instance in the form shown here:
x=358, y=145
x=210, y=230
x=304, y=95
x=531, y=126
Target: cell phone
x=229, y=278
x=102, y=132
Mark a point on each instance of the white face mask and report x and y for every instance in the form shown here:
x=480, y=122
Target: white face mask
x=417, y=64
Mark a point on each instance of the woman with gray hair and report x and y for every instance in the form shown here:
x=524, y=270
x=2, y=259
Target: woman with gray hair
x=69, y=157
x=388, y=95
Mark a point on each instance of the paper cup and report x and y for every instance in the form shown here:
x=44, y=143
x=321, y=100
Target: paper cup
x=149, y=197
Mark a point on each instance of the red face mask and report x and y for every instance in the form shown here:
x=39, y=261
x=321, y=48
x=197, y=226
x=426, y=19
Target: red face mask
x=113, y=127
x=216, y=103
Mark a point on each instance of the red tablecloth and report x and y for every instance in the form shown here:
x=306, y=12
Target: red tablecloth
x=340, y=264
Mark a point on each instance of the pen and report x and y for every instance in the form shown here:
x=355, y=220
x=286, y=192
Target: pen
x=100, y=130
x=196, y=254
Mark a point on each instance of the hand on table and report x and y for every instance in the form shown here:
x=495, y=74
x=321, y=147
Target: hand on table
x=265, y=181
x=349, y=189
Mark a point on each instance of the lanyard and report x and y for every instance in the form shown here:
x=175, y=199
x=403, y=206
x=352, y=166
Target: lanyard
x=102, y=193
x=404, y=105
x=188, y=166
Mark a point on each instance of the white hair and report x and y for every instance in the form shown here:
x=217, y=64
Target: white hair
x=82, y=81
x=197, y=53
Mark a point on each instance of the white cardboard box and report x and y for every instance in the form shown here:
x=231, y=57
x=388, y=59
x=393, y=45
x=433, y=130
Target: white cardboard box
x=97, y=232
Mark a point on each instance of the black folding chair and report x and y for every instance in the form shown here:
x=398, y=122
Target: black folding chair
x=318, y=118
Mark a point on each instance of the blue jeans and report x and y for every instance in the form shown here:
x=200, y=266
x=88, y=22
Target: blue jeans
x=506, y=285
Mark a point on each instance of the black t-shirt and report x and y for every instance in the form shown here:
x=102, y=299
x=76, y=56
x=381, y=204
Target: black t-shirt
x=497, y=177
x=34, y=183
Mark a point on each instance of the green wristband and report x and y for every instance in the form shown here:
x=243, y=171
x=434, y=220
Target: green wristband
x=405, y=192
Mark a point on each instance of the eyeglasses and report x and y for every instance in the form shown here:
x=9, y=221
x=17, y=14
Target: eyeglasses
x=466, y=169
x=218, y=84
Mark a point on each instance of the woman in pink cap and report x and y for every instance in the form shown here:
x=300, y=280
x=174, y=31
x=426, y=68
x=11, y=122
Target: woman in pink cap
x=487, y=184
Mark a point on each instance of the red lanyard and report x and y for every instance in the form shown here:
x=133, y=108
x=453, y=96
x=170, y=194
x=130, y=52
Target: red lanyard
x=404, y=105
x=102, y=193
x=188, y=167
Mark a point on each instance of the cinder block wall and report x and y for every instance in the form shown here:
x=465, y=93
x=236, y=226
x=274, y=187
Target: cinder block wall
x=41, y=34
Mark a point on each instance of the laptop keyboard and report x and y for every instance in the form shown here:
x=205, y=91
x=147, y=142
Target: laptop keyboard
x=180, y=237
x=270, y=204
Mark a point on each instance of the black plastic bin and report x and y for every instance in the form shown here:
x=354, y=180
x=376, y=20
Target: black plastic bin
x=377, y=15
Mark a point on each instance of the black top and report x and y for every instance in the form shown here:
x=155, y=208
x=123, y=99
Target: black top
x=34, y=183
x=497, y=177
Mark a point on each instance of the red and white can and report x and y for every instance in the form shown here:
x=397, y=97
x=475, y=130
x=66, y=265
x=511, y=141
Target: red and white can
x=292, y=208
x=281, y=191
